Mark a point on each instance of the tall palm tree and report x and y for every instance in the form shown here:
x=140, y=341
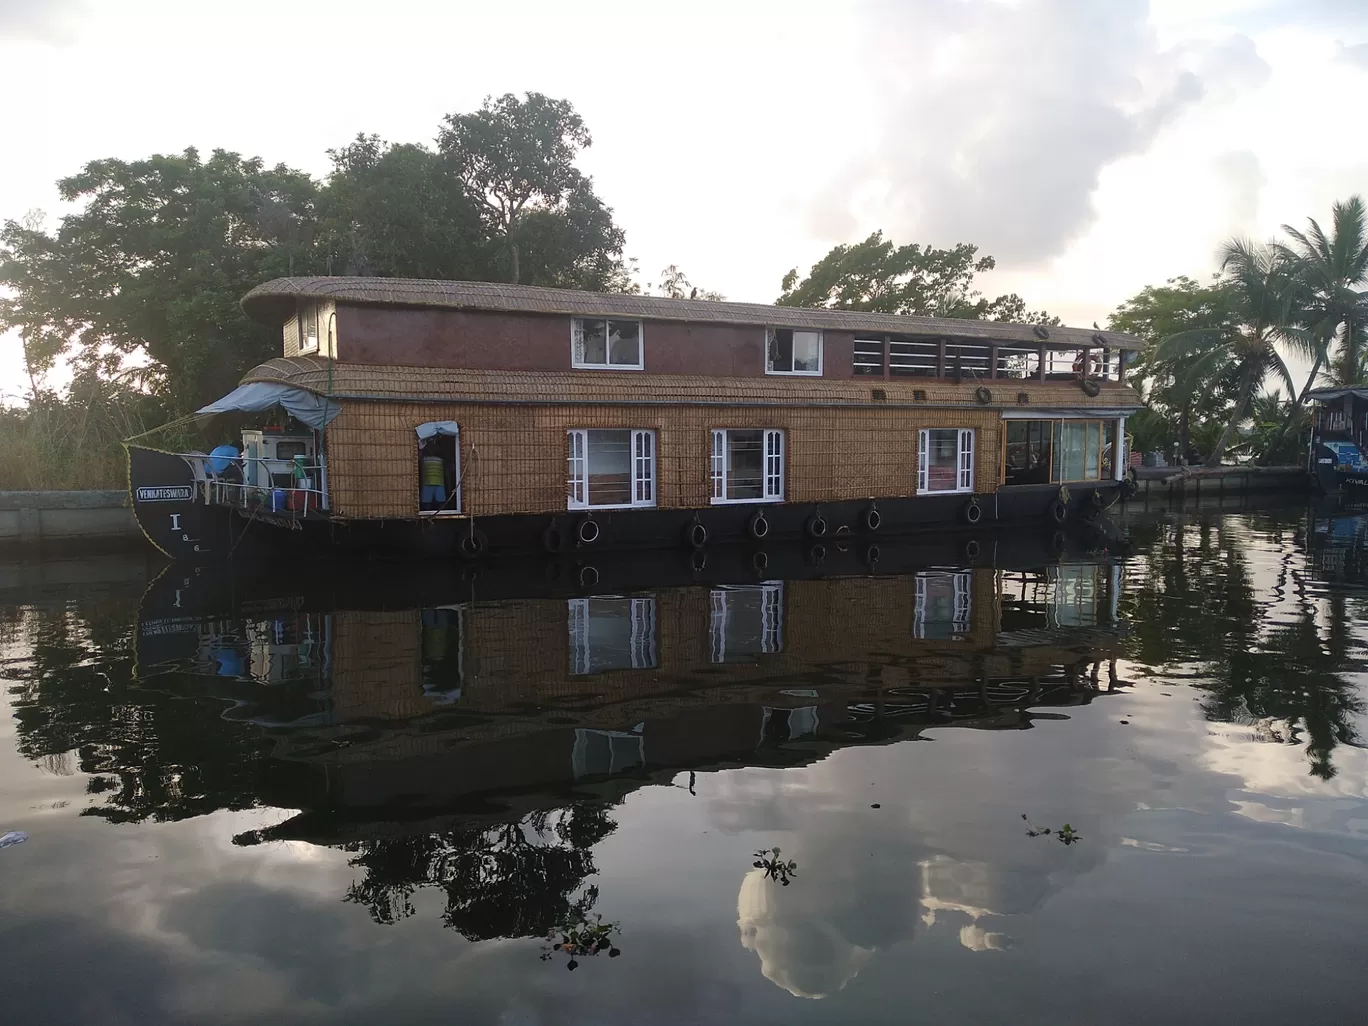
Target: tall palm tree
x=1333, y=269
x=1262, y=288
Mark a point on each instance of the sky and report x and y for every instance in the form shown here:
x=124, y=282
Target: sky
x=1092, y=146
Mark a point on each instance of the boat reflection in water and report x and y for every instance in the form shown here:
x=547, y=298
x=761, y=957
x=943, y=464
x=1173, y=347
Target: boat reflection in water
x=478, y=746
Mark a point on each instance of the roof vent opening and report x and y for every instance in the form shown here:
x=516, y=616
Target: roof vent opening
x=1023, y=398
x=919, y=395
x=878, y=393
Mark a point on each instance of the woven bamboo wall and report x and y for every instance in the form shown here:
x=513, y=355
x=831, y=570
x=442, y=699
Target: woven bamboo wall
x=514, y=457
x=846, y=438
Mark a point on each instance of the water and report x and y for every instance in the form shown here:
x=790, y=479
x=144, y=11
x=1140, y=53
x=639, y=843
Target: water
x=321, y=802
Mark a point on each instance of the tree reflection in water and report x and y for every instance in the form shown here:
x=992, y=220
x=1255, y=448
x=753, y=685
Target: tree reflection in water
x=519, y=879
x=1277, y=658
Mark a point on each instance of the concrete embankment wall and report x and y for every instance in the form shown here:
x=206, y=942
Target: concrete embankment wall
x=1214, y=482
x=35, y=518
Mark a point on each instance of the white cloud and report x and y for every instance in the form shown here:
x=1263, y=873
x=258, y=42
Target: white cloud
x=47, y=21
x=997, y=119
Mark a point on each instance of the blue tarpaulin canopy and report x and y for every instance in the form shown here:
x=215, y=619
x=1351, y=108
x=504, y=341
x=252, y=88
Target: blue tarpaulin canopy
x=306, y=407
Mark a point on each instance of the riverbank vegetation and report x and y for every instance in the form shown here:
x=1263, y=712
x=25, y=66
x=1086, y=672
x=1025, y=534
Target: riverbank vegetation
x=1217, y=366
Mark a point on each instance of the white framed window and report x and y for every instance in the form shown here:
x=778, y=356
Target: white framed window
x=747, y=621
x=943, y=605
x=747, y=465
x=308, y=327
x=788, y=351
x=612, y=468
x=611, y=633
x=605, y=344
x=945, y=460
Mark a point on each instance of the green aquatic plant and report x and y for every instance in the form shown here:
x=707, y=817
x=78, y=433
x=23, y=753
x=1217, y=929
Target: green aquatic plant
x=582, y=939
x=1067, y=834
x=775, y=868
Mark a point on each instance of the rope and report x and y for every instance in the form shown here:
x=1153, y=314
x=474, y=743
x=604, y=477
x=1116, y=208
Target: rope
x=178, y=422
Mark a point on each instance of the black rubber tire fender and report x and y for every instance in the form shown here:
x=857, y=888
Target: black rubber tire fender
x=554, y=539
x=471, y=544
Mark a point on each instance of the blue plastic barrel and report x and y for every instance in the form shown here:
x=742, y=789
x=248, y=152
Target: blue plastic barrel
x=277, y=499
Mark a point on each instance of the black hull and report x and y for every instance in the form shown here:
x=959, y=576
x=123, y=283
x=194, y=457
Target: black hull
x=194, y=532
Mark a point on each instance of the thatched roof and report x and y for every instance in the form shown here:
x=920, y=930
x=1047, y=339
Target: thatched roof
x=558, y=388
x=274, y=302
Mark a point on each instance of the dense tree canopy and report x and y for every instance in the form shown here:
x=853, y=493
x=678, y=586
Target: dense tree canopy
x=878, y=276
x=154, y=263
x=1215, y=361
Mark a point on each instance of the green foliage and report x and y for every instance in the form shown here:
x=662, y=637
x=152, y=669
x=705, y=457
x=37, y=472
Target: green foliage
x=1330, y=270
x=878, y=276
x=74, y=444
x=1066, y=834
x=1183, y=390
x=582, y=939
x=516, y=159
x=154, y=262
x=395, y=210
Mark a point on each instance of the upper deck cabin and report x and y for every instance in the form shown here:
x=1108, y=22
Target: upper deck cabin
x=496, y=327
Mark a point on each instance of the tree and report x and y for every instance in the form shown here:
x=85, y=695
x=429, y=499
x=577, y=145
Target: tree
x=154, y=264
x=1330, y=268
x=515, y=157
x=877, y=276
x=675, y=284
x=1188, y=390
x=1260, y=287
x=398, y=211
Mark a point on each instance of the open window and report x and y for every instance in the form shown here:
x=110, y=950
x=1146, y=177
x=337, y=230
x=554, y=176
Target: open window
x=605, y=344
x=439, y=468
x=945, y=460
x=611, y=469
x=1028, y=451
x=308, y=327
x=869, y=356
x=788, y=351
x=747, y=465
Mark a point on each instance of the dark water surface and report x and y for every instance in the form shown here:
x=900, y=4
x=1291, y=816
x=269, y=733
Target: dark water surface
x=253, y=802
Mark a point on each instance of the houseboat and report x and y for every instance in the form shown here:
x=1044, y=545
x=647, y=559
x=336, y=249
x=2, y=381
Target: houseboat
x=1339, y=435
x=467, y=418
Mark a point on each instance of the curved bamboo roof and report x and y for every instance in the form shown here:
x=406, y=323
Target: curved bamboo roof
x=274, y=302
x=560, y=388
